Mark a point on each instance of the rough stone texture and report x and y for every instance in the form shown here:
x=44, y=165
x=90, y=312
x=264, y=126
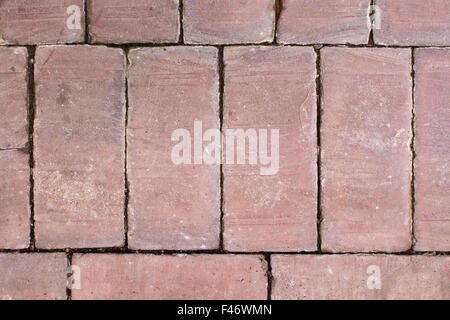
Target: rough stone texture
x=366, y=158
x=119, y=21
x=171, y=206
x=79, y=146
x=14, y=191
x=39, y=22
x=187, y=277
x=33, y=276
x=413, y=22
x=231, y=21
x=432, y=146
x=272, y=88
x=13, y=97
x=325, y=21
x=351, y=276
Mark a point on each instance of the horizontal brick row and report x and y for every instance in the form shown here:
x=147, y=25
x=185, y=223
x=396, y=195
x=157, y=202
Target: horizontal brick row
x=142, y=276
x=399, y=22
x=366, y=174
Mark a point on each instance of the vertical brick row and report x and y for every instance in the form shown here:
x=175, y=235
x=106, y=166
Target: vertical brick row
x=272, y=88
x=432, y=146
x=79, y=146
x=366, y=158
x=172, y=206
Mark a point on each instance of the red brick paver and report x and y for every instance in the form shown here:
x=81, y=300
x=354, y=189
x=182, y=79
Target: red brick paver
x=432, y=146
x=272, y=88
x=41, y=21
x=14, y=209
x=13, y=97
x=171, y=206
x=231, y=21
x=33, y=276
x=360, y=277
x=325, y=21
x=366, y=158
x=117, y=21
x=413, y=22
x=79, y=146
x=112, y=276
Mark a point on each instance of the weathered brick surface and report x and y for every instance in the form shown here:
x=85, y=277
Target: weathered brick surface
x=432, y=146
x=325, y=21
x=413, y=22
x=79, y=146
x=117, y=21
x=231, y=21
x=355, y=277
x=41, y=21
x=13, y=98
x=366, y=158
x=33, y=276
x=272, y=88
x=112, y=276
x=171, y=206
x=14, y=191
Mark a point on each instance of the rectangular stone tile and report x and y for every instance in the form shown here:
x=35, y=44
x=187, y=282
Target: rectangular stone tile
x=360, y=277
x=41, y=21
x=432, y=146
x=34, y=276
x=325, y=21
x=366, y=157
x=117, y=21
x=172, y=206
x=231, y=21
x=413, y=22
x=14, y=199
x=79, y=146
x=13, y=97
x=271, y=88
x=186, y=277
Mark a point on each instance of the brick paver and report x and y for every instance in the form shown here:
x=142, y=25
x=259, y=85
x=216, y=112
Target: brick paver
x=14, y=191
x=206, y=277
x=432, y=166
x=231, y=21
x=325, y=21
x=41, y=21
x=117, y=21
x=272, y=88
x=413, y=22
x=33, y=276
x=171, y=206
x=360, y=277
x=366, y=158
x=13, y=97
x=79, y=146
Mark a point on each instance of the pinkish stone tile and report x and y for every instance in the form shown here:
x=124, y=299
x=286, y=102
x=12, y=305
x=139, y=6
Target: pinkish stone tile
x=117, y=21
x=79, y=146
x=413, y=22
x=358, y=277
x=33, y=276
x=432, y=146
x=231, y=21
x=15, y=206
x=171, y=206
x=41, y=21
x=325, y=21
x=205, y=277
x=366, y=158
x=13, y=97
x=272, y=88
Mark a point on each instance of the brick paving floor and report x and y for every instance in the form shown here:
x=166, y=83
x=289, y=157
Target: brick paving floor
x=95, y=94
